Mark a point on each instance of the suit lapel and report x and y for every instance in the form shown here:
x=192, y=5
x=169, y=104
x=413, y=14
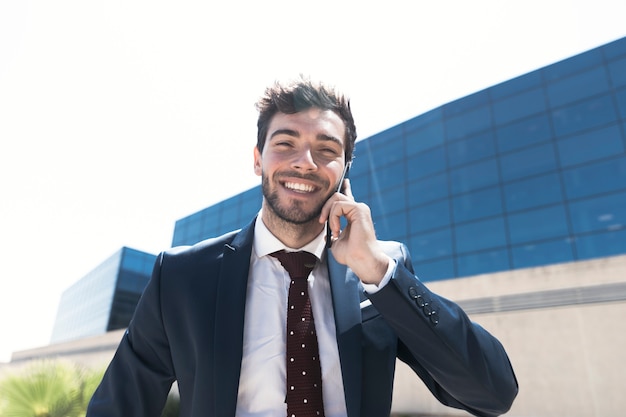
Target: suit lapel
x=229, y=320
x=345, y=293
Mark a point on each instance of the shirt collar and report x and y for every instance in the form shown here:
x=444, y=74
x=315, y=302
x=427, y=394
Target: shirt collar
x=265, y=242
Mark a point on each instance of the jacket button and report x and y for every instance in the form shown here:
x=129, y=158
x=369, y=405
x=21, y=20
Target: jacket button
x=413, y=292
x=419, y=300
x=434, y=318
x=428, y=310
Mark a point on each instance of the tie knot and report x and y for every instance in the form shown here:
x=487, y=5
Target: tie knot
x=297, y=264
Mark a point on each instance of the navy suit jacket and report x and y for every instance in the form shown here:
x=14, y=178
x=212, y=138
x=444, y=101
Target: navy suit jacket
x=188, y=327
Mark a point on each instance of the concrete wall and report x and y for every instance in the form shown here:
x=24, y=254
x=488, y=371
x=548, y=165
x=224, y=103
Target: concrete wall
x=564, y=328
x=90, y=352
x=562, y=325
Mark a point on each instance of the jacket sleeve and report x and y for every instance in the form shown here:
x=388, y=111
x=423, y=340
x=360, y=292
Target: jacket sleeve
x=139, y=378
x=460, y=362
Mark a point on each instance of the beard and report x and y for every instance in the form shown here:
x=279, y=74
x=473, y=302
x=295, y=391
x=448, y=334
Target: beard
x=293, y=211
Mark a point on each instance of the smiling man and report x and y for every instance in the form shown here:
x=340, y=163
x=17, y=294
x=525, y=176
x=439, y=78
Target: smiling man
x=274, y=320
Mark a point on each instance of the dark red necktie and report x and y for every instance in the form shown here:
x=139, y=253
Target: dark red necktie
x=304, y=374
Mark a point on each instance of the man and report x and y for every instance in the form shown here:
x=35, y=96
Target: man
x=214, y=315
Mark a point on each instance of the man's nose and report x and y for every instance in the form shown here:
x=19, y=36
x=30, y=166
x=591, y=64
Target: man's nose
x=304, y=161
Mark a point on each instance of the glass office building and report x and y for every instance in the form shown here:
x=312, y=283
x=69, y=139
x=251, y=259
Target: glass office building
x=104, y=299
x=528, y=172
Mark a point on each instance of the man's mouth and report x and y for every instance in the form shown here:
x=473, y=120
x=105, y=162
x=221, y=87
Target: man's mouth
x=299, y=187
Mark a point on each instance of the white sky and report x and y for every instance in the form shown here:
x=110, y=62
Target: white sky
x=118, y=118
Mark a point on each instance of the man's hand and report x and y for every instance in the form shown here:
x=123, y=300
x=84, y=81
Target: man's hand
x=355, y=246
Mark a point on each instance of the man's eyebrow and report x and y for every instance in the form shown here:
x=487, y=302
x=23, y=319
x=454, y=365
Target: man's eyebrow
x=330, y=138
x=288, y=132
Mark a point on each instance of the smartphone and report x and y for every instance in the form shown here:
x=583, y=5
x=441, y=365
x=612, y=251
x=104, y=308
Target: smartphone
x=344, y=175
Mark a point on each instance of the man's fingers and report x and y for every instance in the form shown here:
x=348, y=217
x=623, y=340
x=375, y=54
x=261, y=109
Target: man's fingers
x=334, y=217
x=347, y=189
x=345, y=195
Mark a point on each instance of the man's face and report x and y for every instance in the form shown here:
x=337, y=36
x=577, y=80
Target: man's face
x=301, y=163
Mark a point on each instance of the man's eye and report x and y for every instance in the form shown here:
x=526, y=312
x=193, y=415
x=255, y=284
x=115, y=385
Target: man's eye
x=330, y=151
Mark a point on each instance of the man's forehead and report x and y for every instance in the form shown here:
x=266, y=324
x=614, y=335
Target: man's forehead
x=310, y=118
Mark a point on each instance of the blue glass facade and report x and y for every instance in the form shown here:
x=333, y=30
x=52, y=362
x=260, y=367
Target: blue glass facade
x=105, y=298
x=528, y=172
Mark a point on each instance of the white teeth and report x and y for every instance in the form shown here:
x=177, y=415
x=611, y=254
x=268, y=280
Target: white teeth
x=299, y=187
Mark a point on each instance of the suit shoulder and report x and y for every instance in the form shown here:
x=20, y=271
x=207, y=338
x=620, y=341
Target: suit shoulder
x=195, y=258
x=203, y=249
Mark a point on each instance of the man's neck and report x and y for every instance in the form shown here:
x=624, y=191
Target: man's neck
x=290, y=234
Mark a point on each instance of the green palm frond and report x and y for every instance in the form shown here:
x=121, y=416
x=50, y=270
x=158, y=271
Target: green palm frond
x=48, y=389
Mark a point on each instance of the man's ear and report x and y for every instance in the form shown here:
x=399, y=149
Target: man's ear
x=258, y=162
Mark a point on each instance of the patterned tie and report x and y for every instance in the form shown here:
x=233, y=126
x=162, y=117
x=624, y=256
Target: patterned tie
x=304, y=375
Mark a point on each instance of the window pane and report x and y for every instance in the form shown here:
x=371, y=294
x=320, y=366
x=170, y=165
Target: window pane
x=430, y=216
x=392, y=226
x=250, y=204
x=428, y=189
x=595, y=178
x=132, y=261
x=533, y=192
x=480, y=235
x=470, y=150
x=425, y=119
x=360, y=185
x=528, y=162
x=195, y=227
x=475, y=176
x=387, y=147
x=519, y=106
x=424, y=138
x=602, y=244
x=435, y=270
x=523, y=133
x=538, y=224
x=483, y=262
x=601, y=213
x=229, y=212
x=591, y=113
x=621, y=102
x=478, y=204
x=362, y=157
x=431, y=245
x=386, y=177
x=466, y=103
x=389, y=200
x=617, y=69
x=578, y=86
x=614, y=49
x=543, y=253
x=590, y=146
x=468, y=123
x=574, y=64
x=427, y=163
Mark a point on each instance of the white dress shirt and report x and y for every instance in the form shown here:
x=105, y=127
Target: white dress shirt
x=262, y=383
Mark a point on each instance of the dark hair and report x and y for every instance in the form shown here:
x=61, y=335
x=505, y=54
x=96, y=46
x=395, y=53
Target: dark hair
x=301, y=95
